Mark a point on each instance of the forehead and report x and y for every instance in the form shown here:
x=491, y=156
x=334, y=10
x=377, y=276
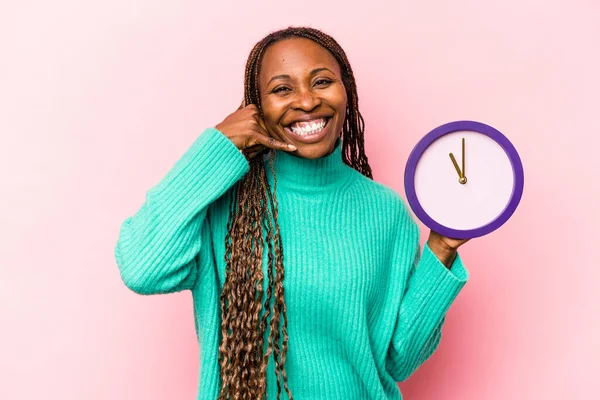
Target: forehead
x=295, y=57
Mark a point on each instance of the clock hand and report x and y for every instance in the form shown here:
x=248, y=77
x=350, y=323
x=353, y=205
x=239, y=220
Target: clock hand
x=463, y=158
x=455, y=165
x=462, y=179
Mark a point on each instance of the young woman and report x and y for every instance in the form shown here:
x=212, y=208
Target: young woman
x=287, y=173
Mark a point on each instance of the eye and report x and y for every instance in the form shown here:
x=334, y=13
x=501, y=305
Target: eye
x=322, y=82
x=279, y=89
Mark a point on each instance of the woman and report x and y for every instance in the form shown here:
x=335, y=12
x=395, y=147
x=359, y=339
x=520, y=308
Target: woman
x=362, y=306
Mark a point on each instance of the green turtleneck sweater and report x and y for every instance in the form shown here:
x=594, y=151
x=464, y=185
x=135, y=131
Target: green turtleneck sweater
x=365, y=306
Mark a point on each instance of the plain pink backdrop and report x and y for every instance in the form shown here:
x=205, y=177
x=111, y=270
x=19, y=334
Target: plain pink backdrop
x=99, y=99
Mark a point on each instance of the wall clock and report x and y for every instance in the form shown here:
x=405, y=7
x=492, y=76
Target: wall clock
x=464, y=179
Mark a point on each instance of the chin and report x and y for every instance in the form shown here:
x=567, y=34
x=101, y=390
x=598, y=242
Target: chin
x=314, y=150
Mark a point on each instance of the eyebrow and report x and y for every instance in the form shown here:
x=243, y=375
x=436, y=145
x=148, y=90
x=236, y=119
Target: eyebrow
x=313, y=72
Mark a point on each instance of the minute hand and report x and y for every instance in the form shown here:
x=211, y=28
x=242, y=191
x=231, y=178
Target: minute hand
x=463, y=158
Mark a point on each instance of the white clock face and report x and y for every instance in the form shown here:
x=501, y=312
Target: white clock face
x=489, y=186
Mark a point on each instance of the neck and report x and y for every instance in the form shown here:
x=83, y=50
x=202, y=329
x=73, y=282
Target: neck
x=309, y=175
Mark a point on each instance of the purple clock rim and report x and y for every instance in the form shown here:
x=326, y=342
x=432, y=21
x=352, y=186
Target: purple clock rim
x=465, y=125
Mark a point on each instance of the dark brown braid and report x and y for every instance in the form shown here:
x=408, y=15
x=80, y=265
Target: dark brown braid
x=252, y=207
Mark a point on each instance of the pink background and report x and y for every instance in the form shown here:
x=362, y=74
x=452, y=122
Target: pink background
x=99, y=99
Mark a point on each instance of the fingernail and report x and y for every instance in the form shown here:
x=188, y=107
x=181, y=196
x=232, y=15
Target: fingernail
x=291, y=146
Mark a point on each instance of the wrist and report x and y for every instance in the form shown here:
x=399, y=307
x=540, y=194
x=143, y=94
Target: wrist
x=442, y=251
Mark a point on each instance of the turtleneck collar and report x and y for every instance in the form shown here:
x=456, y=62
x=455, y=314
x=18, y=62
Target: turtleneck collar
x=305, y=174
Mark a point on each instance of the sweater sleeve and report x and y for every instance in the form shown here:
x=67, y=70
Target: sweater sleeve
x=429, y=290
x=157, y=246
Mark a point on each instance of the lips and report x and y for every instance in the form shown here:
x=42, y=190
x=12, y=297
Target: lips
x=308, y=128
x=307, y=122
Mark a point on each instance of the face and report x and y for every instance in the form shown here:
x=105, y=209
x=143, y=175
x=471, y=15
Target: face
x=302, y=96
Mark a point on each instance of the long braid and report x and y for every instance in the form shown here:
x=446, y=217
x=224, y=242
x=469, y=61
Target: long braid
x=254, y=206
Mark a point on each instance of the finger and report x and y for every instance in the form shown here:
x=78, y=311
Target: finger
x=251, y=107
x=253, y=148
x=252, y=155
x=261, y=122
x=253, y=151
x=272, y=143
x=262, y=128
x=266, y=132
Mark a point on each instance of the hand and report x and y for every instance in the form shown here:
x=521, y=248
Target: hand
x=444, y=247
x=246, y=129
x=449, y=243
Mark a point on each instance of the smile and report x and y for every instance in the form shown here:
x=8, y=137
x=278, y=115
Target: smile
x=309, y=130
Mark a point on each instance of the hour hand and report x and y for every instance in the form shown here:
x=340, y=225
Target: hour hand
x=456, y=165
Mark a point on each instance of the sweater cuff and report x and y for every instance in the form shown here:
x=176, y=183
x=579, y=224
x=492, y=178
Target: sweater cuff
x=437, y=284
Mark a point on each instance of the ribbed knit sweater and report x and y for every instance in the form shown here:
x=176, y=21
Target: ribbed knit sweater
x=365, y=305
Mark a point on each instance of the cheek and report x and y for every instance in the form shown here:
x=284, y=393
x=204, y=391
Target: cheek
x=270, y=118
x=339, y=99
x=272, y=112
x=341, y=105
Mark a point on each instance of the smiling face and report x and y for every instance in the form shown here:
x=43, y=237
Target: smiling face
x=302, y=96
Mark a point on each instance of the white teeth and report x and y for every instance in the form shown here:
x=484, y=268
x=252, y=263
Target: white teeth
x=310, y=128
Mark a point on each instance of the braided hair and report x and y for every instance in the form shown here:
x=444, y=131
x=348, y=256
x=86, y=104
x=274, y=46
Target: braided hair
x=253, y=207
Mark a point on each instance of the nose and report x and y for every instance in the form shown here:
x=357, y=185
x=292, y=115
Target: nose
x=306, y=100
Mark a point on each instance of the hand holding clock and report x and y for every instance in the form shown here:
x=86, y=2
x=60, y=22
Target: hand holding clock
x=444, y=247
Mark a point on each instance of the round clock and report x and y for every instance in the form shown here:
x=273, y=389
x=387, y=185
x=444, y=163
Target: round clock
x=464, y=179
